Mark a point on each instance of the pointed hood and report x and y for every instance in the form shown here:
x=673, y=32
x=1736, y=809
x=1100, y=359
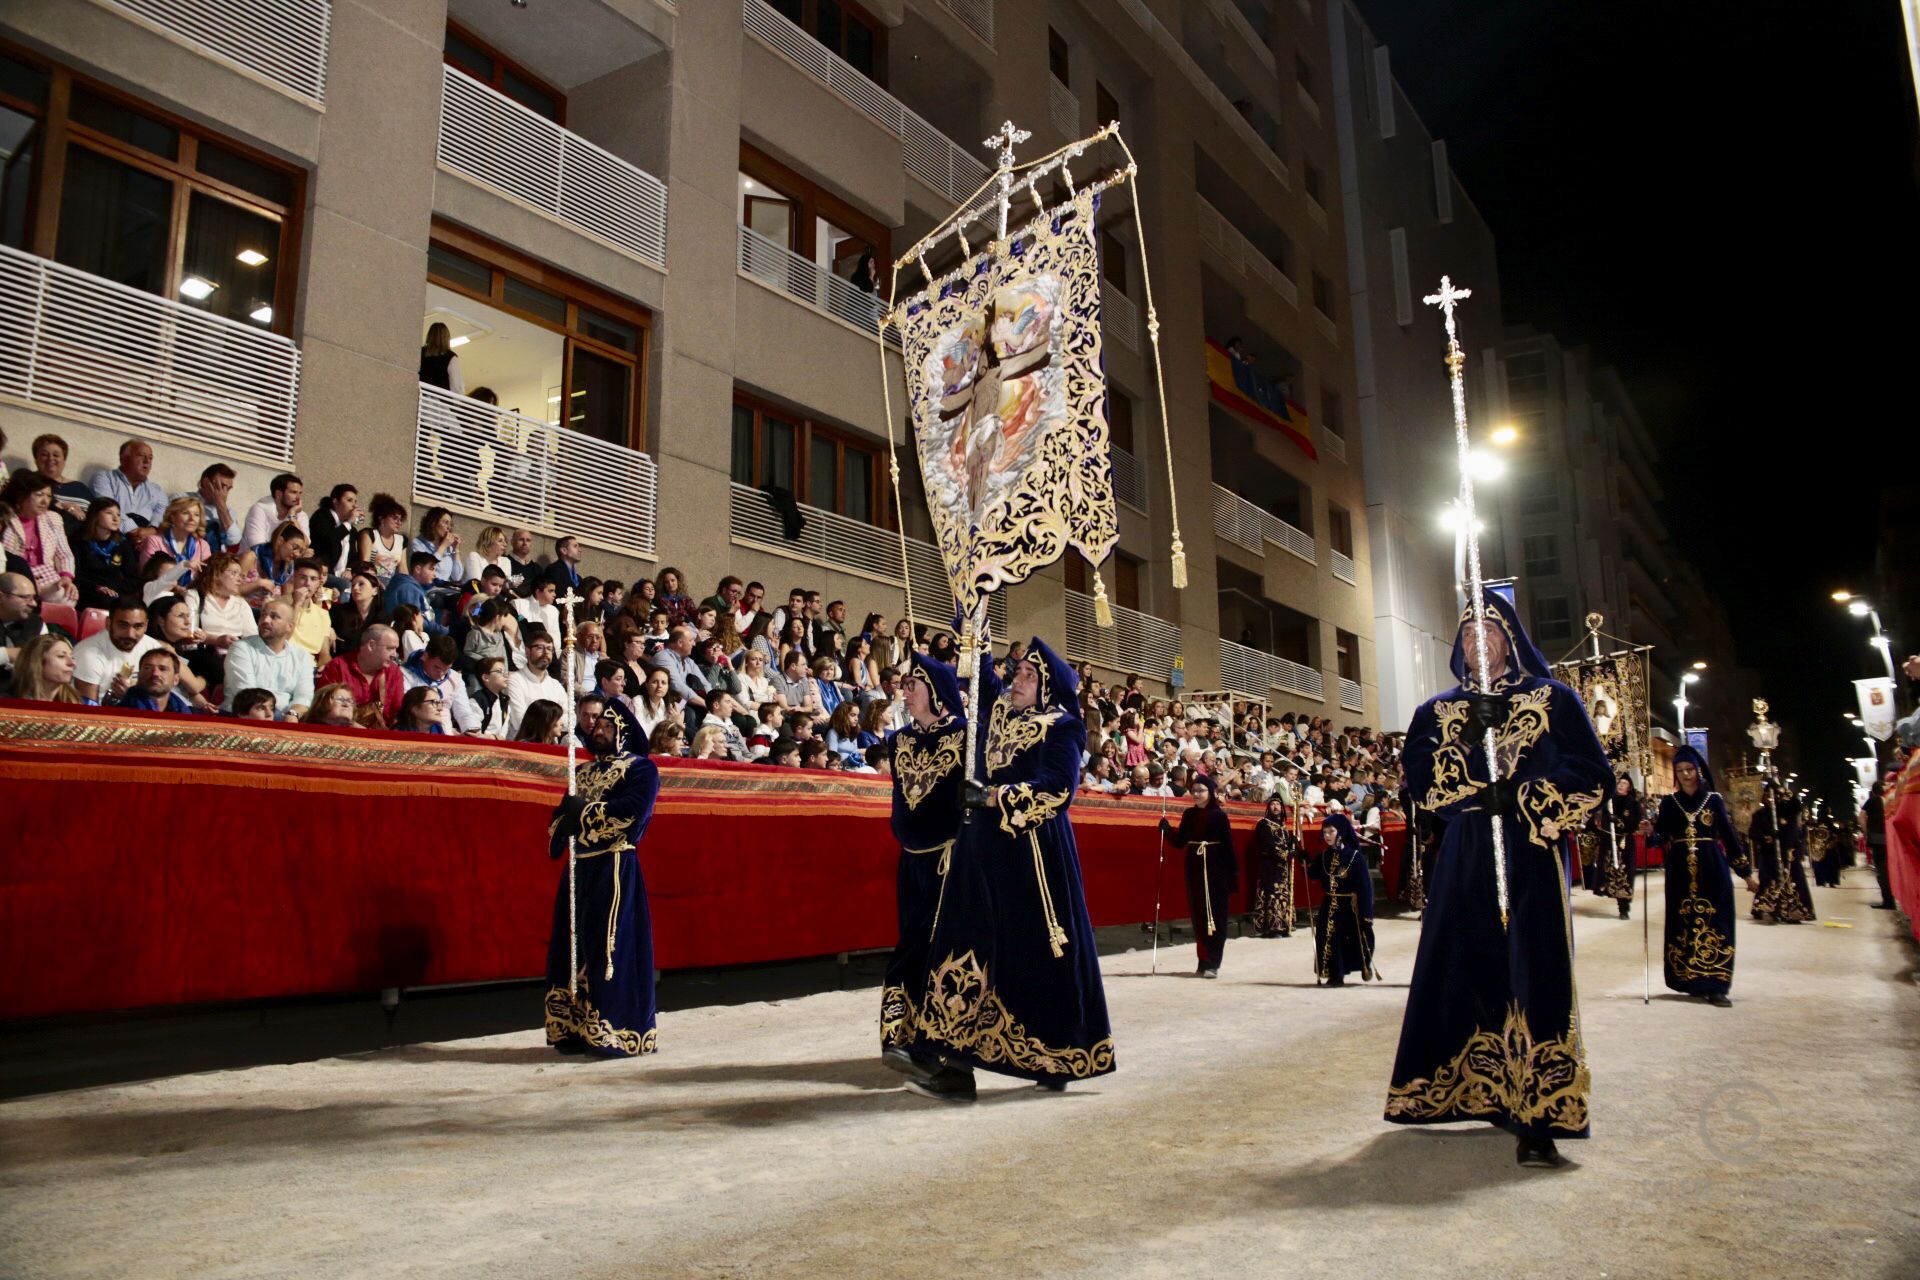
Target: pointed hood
x=941, y=681
x=1690, y=755
x=1522, y=656
x=1341, y=826
x=1059, y=683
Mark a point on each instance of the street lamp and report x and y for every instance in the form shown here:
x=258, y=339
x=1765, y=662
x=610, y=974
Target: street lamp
x=1862, y=609
x=1680, y=701
x=1505, y=434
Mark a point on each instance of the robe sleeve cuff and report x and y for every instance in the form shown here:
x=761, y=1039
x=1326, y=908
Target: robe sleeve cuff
x=1022, y=808
x=1551, y=812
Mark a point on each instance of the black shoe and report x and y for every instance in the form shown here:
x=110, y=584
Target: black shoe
x=903, y=1061
x=572, y=1046
x=1720, y=1002
x=1050, y=1086
x=1626, y=911
x=1337, y=980
x=948, y=1084
x=1537, y=1153
x=1883, y=906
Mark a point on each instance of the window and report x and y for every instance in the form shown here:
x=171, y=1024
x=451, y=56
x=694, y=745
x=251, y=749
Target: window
x=842, y=472
x=1339, y=530
x=1303, y=74
x=550, y=347
x=1539, y=493
x=1346, y=651
x=1106, y=108
x=1119, y=418
x=1540, y=554
x=1552, y=618
x=1113, y=260
x=1126, y=581
x=1315, y=184
x=490, y=67
x=801, y=215
x=1057, y=56
x=844, y=27
x=1323, y=295
x=126, y=192
x=1527, y=376
x=1333, y=416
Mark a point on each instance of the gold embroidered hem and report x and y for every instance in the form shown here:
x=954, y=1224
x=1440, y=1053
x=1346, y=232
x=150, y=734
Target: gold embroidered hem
x=921, y=770
x=1701, y=951
x=963, y=1011
x=574, y=1017
x=1503, y=1073
x=899, y=1022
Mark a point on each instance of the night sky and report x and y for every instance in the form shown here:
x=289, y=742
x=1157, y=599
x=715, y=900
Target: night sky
x=1720, y=196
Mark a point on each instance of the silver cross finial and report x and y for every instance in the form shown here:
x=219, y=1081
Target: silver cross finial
x=1003, y=141
x=1447, y=299
x=567, y=603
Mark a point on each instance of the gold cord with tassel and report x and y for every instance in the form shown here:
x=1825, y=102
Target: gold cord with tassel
x=1102, y=611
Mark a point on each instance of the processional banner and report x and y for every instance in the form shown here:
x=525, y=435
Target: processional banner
x=1614, y=689
x=1008, y=403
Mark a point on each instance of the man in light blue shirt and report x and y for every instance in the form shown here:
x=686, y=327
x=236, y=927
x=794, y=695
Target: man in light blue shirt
x=683, y=673
x=270, y=661
x=142, y=502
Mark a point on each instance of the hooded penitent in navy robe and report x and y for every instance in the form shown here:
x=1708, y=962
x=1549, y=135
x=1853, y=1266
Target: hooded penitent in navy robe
x=1615, y=824
x=1271, y=851
x=1783, y=894
x=1014, y=980
x=1702, y=853
x=928, y=766
x=1212, y=873
x=612, y=1010
x=1343, y=926
x=1491, y=1030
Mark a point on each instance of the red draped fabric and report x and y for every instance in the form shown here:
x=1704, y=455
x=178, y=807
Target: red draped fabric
x=1903, y=841
x=158, y=860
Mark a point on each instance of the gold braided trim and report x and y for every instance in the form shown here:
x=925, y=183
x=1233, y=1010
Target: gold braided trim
x=1506, y=1072
x=964, y=1011
x=899, y=1020
x=573, y=1016
x=922, y=769
x=1549, y=811
x=1056, y=936
x=1022, y=808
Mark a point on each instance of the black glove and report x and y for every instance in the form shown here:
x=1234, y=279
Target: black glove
x=975, y=794
x=1502, y=798
x=1484, y=711
x=1166, y=828
x=566, y=816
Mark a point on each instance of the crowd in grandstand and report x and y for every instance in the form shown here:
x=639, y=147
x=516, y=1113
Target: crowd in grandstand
x=117, y=593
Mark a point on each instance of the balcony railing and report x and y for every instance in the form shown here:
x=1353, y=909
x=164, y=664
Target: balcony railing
x=1343, y=566
x=780, y=268
x=1129, y=479
x=1334, y=446
x=1351, y=696
x=1249, y=526
x=522, y=155
x=1255, y=669
x=1204, y=85
x=75, y=343
x=975, y=15
x=1063, y=106
x=1121, y=316
x=1241, y=254
x=283, y=42
x=520, y=471
x=834, y=541
x=925, y=152
x=1135, y=642
x=1229, y=12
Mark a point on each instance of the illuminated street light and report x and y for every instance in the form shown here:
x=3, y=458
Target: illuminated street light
x=1505, y=434
x=1699, y=666
x=1485, y=466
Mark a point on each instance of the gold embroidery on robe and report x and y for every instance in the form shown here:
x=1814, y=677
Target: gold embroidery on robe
x=1700, y=950
x=1022, y=807
x=601, y=832
x=1506, y=1072
x=963, y=1010
x=1010, y=732
x=1549, y=811
x=898, y=1018
x=921, y=769
x=575, y=1016
x=1451, y=781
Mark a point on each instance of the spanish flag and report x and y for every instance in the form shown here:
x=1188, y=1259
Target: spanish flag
x=1240, y=389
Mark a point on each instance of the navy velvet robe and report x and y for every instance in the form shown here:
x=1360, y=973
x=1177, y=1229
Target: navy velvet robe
x=1491, y=1031
x=1783, y=893
x=1014, y=979
x=612, y=1012
x=927, y=772
x=1703, y=854
x=1343, y=925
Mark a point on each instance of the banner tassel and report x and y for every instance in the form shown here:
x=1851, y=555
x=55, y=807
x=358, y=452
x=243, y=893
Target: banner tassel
x=1179, y=565
x=1102, y=611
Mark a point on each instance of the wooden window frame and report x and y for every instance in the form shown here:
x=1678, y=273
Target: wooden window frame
x=806, y=430
x=502, y=262
x=501, y=63
x=59, y=131
x=812, y=202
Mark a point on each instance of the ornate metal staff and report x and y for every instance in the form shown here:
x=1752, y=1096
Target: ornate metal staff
x=1447, y=299
x=567, y=602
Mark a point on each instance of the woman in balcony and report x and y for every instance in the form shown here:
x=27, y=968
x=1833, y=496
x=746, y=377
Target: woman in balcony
x=861, y=670
x=383, y=548
x=896, y=653
x=332, y=705
x=35, y=533
x=439, y=367
x=670, y=594
x=103, y=562
x=795, y=636
x=225, y=615
x=180, y=535
x=441, y=540
x=44, y=671
x=490, y=548
x=365, y=605
x=420, y=711
x=653, y=706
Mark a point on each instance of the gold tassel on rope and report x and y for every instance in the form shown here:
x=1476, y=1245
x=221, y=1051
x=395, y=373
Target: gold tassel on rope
x=966, y=651
x=1179, y=564
x=1102, y=611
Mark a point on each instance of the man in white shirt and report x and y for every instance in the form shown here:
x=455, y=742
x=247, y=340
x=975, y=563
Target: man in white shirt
x=539, y=607
x=895, y=716
x=749, y=608
x=105, y=662
x=272, y=662
x=533, y=683
x=433, y=666
x=274, y=510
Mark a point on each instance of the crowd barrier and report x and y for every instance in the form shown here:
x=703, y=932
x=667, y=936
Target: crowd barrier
x=1903, y=842
x=158, y=860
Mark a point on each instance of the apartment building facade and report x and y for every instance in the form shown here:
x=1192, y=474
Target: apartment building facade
x=650, y=229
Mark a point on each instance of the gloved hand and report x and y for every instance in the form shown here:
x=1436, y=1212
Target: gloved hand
x=975, y=794
x=568, y=814
x=1501, y=798
x=1484, y=711
x=1166, y=828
